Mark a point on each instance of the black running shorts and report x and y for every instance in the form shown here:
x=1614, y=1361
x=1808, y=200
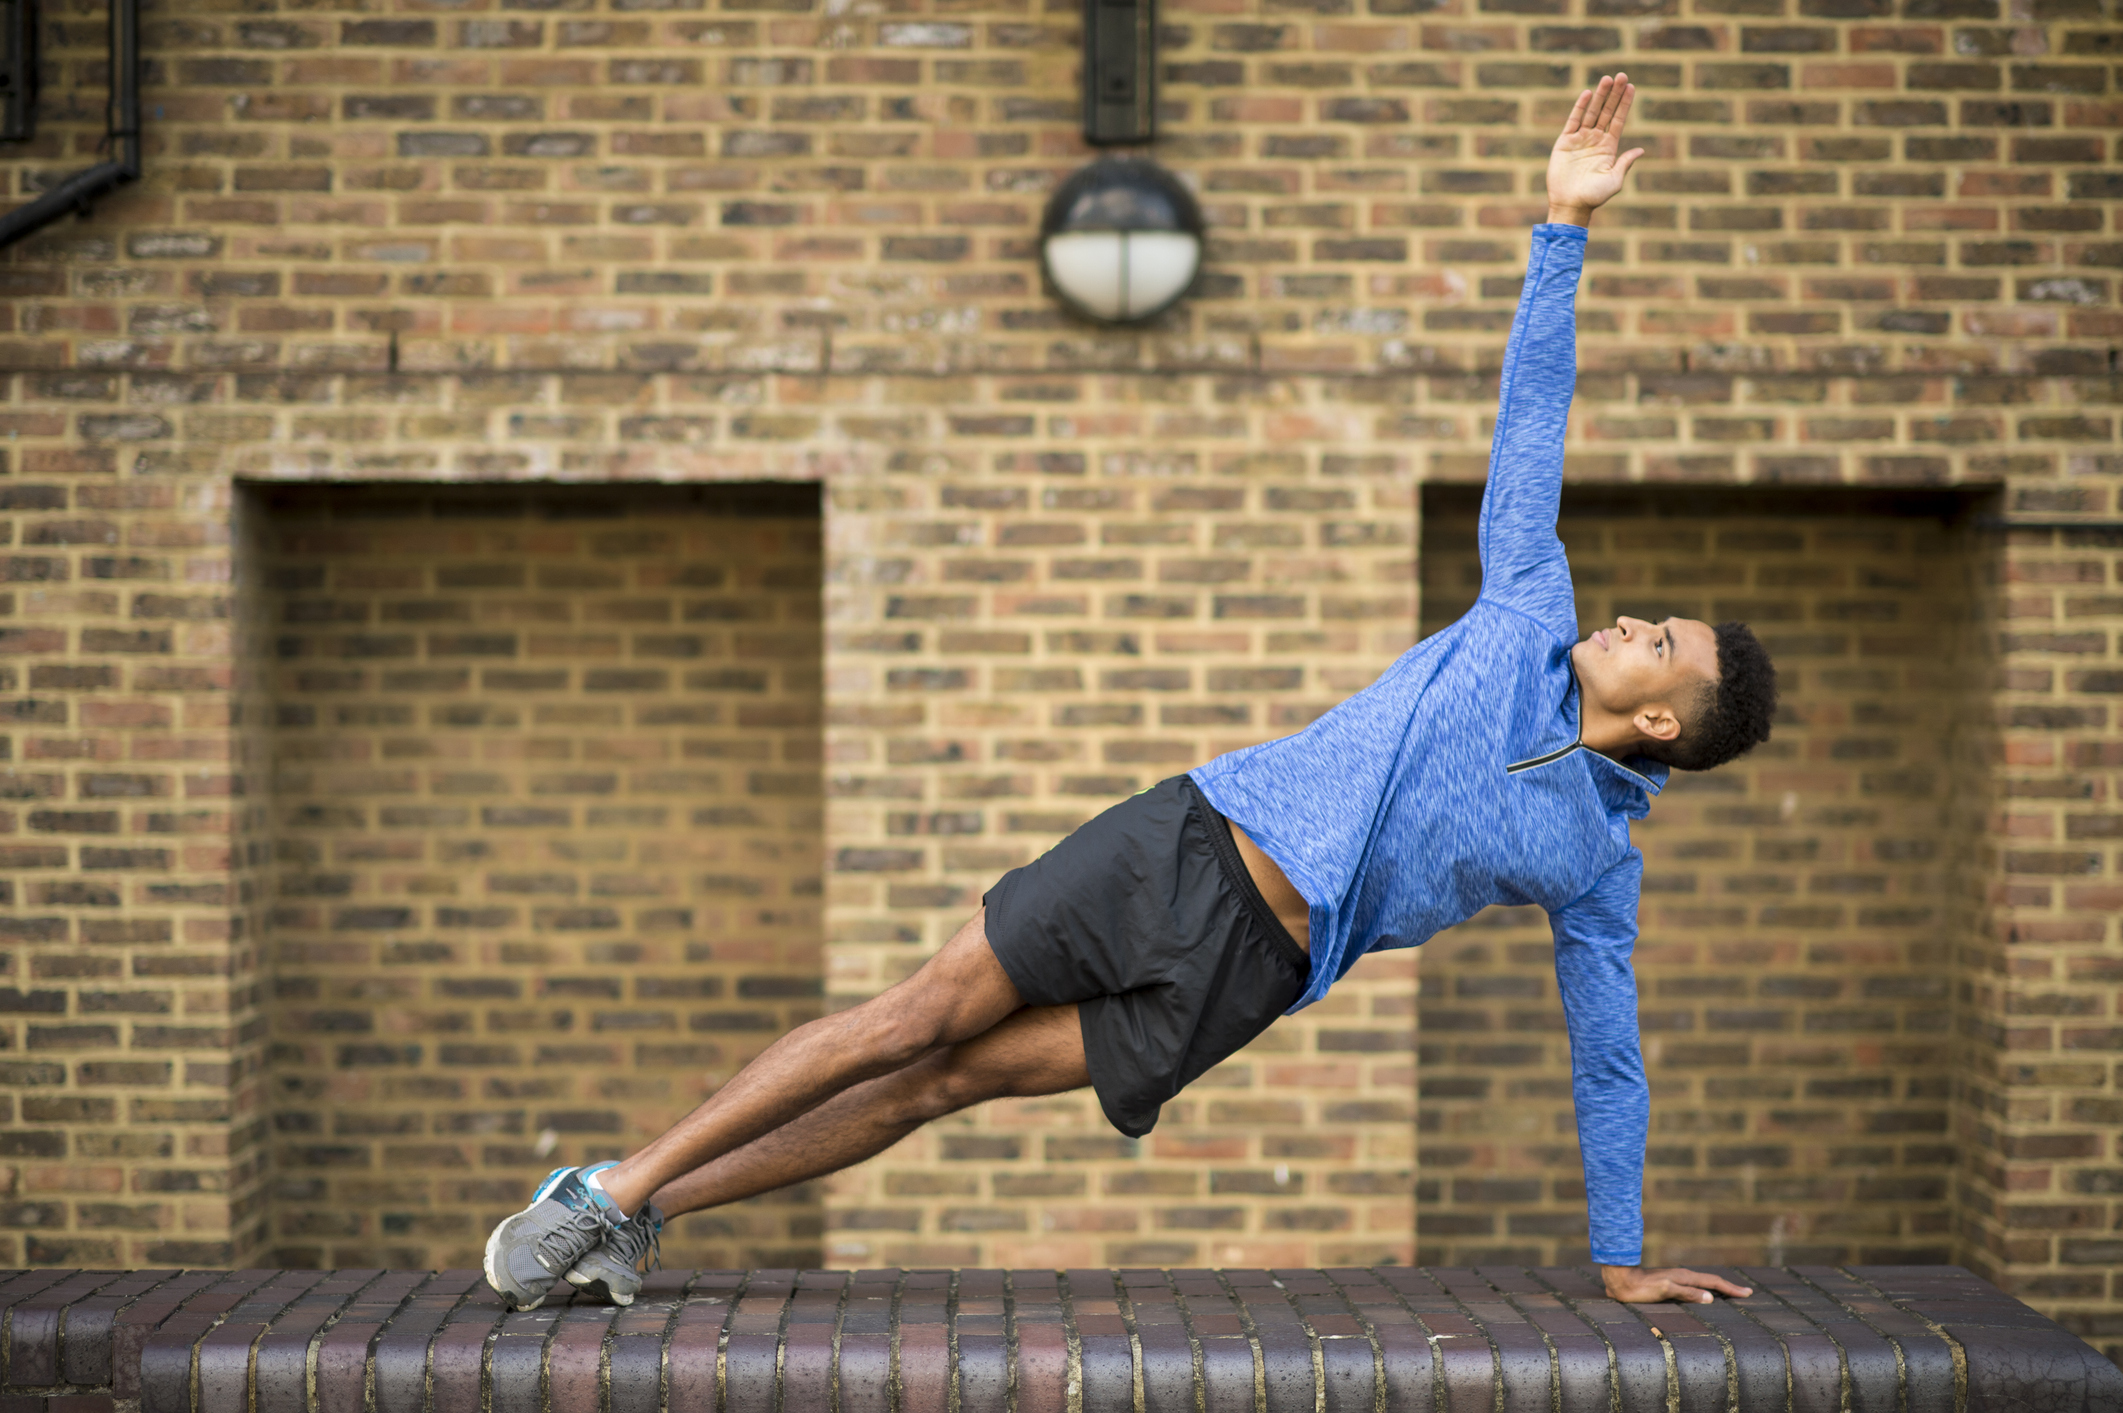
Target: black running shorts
x=1147, y=920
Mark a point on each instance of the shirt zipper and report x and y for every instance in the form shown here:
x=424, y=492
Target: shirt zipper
x=1553, y=756
x=1547, y=759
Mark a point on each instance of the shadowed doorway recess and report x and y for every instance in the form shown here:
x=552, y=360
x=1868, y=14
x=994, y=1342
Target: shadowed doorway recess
x=545, y=844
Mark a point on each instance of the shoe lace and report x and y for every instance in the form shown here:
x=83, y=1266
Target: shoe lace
x=639, y=1234
x=559, y=1245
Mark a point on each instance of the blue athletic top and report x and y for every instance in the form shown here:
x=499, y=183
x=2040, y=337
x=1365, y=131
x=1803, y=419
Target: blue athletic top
x=1457, y=779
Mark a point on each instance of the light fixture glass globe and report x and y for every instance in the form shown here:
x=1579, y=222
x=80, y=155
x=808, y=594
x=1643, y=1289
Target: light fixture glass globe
x=1122, y=276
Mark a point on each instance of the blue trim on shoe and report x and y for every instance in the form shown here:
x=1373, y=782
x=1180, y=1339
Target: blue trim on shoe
x=597, y=1193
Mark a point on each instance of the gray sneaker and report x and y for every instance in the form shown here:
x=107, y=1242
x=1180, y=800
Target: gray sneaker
x=613, y=1271
x=534, y=1248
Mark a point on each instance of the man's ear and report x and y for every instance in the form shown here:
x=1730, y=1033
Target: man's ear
x=1656, y=722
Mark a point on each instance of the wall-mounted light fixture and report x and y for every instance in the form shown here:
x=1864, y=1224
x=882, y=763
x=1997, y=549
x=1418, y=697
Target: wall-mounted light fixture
x=1121, y=240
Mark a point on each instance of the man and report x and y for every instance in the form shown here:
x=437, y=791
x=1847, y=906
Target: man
x=1499, y=761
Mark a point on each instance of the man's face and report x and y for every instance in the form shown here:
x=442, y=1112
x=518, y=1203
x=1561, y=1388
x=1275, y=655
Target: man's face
x=1635, y=666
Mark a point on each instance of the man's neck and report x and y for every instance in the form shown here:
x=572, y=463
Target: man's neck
x=1611, y=734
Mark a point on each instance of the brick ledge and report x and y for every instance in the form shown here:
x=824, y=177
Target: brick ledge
x=1869, y=1339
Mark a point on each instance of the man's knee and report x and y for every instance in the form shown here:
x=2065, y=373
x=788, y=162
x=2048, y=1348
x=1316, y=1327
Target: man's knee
x=938, y=1005
x=963, y=990
x=890, y=1035
x=947, y=1082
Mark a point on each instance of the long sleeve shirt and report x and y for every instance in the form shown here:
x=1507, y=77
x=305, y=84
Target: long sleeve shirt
x=1458, y=780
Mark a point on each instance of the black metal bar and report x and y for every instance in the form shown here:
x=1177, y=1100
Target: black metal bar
x=77, y=191
x=1120, y=71
x=125, y=85
x=18, y=75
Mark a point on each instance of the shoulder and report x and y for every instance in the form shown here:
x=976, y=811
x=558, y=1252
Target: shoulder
x=1502, y=617
x=1545, y=603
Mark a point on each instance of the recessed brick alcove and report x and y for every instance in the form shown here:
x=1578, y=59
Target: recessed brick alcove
x=1350, y=1340
x=541, y=853
x=1803, y=907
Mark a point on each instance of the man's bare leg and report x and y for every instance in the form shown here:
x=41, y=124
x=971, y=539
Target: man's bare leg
x=1036, y=1051
x=959, y=993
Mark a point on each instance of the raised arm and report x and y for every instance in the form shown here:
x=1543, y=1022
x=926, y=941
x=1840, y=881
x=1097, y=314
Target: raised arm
x=1522, y=560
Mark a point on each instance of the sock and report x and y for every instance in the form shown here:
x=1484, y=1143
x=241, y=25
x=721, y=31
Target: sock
x=593, y=1180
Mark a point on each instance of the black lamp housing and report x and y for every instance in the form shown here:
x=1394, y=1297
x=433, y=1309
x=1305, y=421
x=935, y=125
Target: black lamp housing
x=1121, y=194
x=1120, y=71
x=1121, y=240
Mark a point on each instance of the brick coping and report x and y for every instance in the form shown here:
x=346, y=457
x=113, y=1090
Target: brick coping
x=1512, y=1340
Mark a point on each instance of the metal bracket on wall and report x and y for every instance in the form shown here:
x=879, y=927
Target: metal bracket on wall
x=1120, y=71
x=74, y=193
x=18, y=70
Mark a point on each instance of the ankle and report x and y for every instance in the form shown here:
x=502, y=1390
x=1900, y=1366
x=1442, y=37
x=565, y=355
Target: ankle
x=614, y=1188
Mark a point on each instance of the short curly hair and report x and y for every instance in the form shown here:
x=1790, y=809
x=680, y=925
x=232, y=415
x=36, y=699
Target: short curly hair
x=1730, y=716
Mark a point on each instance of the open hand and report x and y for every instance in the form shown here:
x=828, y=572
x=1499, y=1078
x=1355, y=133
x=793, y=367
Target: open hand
x=1587, y=166
x=1636, y=1286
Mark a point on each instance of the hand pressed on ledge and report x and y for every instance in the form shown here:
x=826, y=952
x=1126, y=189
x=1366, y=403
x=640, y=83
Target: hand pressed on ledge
x=1636, y=1286
x=1587, y=167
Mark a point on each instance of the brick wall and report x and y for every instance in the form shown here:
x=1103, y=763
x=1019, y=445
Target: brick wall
x=128, y=980
x=1875, y=243
x=1798, y=927
x=2039, y=1013
x=546, y=848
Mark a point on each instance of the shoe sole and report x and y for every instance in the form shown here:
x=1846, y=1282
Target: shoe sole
x=596, y=1289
